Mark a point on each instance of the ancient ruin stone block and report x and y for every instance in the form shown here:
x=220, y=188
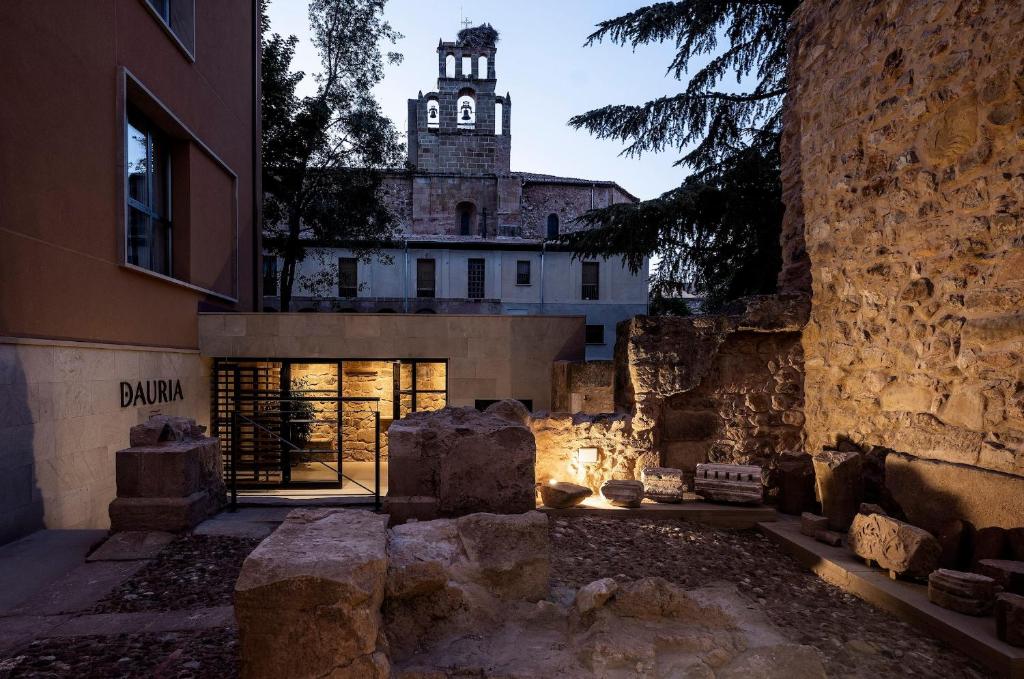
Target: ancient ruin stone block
x=871, y=508
x=796, y=483
x=470, y=461
x=663, y=484
x=839, y=485
x=899, y=547
x=735, y=483
x=1010, y=618
x=1015, y=538
x=951, y=536
x=623, y=493
x=810, y=524
x=308, y=598
x=829, y=537
x=171, y=485
x=561, y=495
x=594, y=595
x=1009, y=574
x=987, y=543
x=967, y=593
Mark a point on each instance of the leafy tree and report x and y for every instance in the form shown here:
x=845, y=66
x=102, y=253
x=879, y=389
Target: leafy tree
x=718, y=233
x=324, y=154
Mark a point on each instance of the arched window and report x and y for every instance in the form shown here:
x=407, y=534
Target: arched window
x=449, y=66
x=426, y=311
x=466, y=109
x=433, y=113
x=552, y=226
x=481, y=67
x=466, y=218
x=467, y=67
x=498, y=121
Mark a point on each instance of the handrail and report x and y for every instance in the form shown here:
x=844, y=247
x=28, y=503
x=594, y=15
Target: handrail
x=234, y=456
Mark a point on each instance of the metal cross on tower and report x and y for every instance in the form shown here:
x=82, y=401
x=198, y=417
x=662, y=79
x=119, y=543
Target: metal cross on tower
x=466, y=23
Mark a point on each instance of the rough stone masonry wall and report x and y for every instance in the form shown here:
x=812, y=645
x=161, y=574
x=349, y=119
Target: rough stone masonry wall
x=905, y=123
x=723, y=388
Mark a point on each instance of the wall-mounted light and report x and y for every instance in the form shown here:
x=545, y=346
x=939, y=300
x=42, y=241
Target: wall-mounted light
x=586, y=456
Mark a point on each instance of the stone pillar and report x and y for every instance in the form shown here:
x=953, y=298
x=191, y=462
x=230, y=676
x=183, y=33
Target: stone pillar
x=170, y=479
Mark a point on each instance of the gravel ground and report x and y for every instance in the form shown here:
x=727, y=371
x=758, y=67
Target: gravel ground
x=172, y=655
x=193, y=571
x=856, y=639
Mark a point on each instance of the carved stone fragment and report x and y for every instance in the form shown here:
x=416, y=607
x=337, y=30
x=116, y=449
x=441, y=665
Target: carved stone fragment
x=987, y=543
x=561, y=495
x=623, y=493
x=829, y=537
x=663, y=484
x=810, y=524
x=1010, y=618
x=729, y=483
x=899, y=547
x=967, y=593
x=796, y=483
x=1009, y=574
x=839, y=485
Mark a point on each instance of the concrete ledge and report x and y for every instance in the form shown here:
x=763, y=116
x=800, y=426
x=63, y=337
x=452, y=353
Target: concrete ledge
x=715, y=515
x=975, y=637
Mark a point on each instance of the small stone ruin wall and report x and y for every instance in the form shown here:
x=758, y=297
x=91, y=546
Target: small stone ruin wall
x=904, y=163
x=723, y=388
x=559, y=437
x=583, y=387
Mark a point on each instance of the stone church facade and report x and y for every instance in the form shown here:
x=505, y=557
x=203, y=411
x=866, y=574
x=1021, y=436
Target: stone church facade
x=475, y=236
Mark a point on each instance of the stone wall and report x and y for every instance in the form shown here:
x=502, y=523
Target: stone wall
x=583, y=387
x=905, y=170
x=725, y=388
x=62, y=420
x=559, y=437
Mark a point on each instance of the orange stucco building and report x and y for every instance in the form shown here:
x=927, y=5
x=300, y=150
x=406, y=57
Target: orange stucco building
x=129, y=141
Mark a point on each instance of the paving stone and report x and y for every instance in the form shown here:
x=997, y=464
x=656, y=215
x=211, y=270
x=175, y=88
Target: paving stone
x=131, y=545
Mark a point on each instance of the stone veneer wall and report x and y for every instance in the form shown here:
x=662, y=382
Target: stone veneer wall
x=904, y=158
x=61, y=422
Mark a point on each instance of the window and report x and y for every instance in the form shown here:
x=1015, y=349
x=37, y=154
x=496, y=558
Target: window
x=270, y=275
x=498, y=118
x=475, y=279
x=449, y=66
x=467, y=67
x=595, y=334
x=348, y=276
x=481, y=67
x=466, y=216
x=523, y=272
x=148, y=236
x=552, y=227
x=590, y=280
x=425, y=278
x=179, y=19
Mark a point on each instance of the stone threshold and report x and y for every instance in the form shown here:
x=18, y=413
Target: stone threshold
x=707, y=513
x=973, y=636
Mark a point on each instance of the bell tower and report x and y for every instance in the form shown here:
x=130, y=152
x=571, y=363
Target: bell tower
x=463, y=127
